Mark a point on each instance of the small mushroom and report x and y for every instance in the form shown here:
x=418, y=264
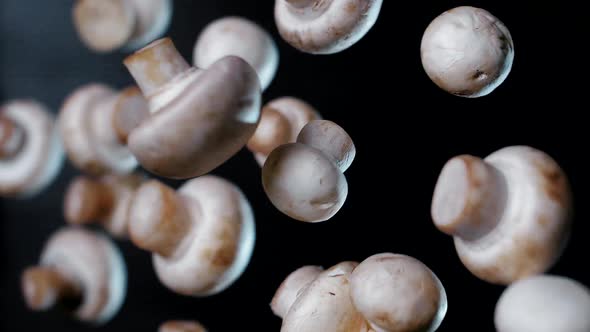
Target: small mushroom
x=325, y=26
x=182, y=326
x=509, y=214
x=240, y=37
x=31, y=153
x=107, y=25
x=199, y=118
x=80, y=268
x=95, y=122
x=305, y=180
x=292, y=287
x=544, y=303
x=105, y=201
x=202, y=236
x=467, y=52
x=281, y=121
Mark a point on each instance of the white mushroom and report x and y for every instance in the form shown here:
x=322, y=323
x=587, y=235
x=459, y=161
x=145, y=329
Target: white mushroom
x=292, y=287
x=182, y=326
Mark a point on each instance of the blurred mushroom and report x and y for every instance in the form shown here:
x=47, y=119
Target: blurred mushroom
x=181, y=326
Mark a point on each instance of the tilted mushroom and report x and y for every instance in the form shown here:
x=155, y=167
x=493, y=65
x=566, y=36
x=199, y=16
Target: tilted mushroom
x=467, y=52
x=199, y=118
x=544, y=303
x=107, y=25
x=281, y=121
x=241, y=37
x=201, y=236
x=290, y=289
x=509, y=213
x=81, y=268
x=31, y=153
x=182, y=326
x=325, y=26
x=305, y=180
x=95, y=122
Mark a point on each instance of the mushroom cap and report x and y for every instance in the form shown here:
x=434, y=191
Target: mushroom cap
x=398, y=293
x=153, y=17
x=467, y=52
x=240, y=37
x=182, y=326
x=210, y=120
x=303, y=183
x=544, y=303
x=325, y=27
x=40, y=157
x=292, y=287
x=331, y=139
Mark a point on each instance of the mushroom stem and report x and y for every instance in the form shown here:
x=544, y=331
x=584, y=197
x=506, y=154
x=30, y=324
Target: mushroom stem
x=301, y=3
x=87, y=201
x=131, y=109
x=12, y=138
x=43, y=287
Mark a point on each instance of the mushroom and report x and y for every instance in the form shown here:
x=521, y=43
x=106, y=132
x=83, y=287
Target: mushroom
x=81, y=269
x=544, y=303
x=325, y=26
x=182, y=326
x=107, y=25
x=104, y=201
x=398, y=293
x=240, y=37
x=202, y=236
x=305, y=180
x=31, y=153
x=281, y=121
x=467, y=52
x=95, y=122
x=292, y=287
x=509, y=214
x=199, y=118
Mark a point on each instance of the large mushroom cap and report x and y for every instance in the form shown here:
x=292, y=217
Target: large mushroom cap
x=291, y=288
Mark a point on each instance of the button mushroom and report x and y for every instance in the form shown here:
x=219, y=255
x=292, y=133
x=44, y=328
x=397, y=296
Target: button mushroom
x=31, y=153
x=80, y=268
x=240, y=37
x=305, y=180
x=467, y=52
x=509, y=213
x=181, y=326
x=325, y=26
x=202, y=236
x=199, y=118
x=290, y=289
x=107, y=25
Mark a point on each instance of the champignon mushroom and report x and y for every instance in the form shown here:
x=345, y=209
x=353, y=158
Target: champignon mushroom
x=544, y=303
x=182, y=326
x=509, y=213
x=31, y=153
x=202, y=236
x=467, y=52
x=104, y=201
x=240, y=37
x=292, y=287
x=281, y=121
x=107, y=25
x=81, y=268
x=325, y=26
x=305, y=180
x=199, y=118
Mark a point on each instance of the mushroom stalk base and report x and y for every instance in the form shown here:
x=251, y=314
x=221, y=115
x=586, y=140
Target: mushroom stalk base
x=44, y=287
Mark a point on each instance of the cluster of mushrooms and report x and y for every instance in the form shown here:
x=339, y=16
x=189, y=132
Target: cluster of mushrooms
x=508, y=213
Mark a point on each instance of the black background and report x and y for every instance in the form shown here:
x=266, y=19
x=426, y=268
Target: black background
x=404, y=128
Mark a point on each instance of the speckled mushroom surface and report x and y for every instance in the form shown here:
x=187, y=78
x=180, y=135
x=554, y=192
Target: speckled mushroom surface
x=181, y=326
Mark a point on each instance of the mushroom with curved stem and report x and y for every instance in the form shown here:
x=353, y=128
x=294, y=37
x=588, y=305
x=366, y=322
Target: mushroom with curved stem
x=325, y=26
x=467, y=52
x=78, y=266
x=31, y=152
x=108, y=25
x=201, y=236
x=181, y=326
x=199, y=118
x=240, y=37
x=305, y=180
x=509, y=213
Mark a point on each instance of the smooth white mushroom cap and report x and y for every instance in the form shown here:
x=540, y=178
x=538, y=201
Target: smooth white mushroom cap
x=292, y=287
x=153, y=17
x=331, y=139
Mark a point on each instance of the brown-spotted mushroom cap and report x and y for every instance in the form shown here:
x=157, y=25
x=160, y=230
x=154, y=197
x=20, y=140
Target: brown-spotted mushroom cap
x=199, y=118
x=467, y=52
x=544, y=303
x=305, y=180
x=31, y=153
x=325, y=26
x=292, y=287
x=398, y=293
x=78, y=263
x=181, y=326
x=240, y=37
x=509, y=213
x=202, y=236
x=107, y=25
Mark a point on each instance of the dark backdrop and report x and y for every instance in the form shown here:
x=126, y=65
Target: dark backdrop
x=404, y=128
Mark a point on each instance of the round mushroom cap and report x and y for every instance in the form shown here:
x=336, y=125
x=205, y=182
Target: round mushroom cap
x=467, y=52
x=153, y=17
x=181, y=326
x=331, y=139
x=544, y=303
x=292, y=287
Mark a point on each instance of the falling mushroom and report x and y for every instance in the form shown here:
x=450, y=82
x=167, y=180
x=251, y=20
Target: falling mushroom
x=182, y=326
